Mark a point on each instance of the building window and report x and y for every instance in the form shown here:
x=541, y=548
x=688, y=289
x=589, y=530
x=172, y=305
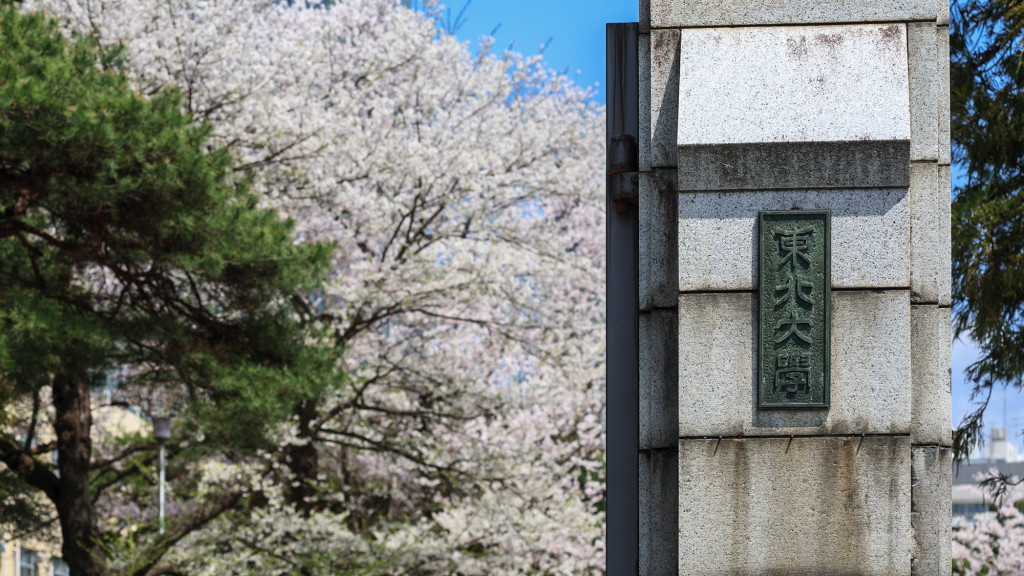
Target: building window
x=970, y=510
x=60, y=567
x=29, y=561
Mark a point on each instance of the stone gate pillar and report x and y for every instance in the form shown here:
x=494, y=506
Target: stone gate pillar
x=794, y=287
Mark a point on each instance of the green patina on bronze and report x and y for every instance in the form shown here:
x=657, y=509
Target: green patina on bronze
x=794, y=286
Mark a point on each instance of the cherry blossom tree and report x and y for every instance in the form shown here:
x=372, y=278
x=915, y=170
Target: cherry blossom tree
x=463, y=193
x=992, y=543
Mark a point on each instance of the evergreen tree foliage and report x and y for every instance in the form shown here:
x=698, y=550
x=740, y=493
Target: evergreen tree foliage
x=987, y=102
x=128, y=246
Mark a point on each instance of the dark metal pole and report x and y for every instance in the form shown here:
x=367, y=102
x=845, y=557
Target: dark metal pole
x=622, y=408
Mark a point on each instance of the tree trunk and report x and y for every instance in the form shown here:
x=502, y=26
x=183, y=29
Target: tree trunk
x=81, y=548
x=304, y=462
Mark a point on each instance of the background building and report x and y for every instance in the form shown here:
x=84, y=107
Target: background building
x=31, y=558
x=37, y=557
x=999, y=454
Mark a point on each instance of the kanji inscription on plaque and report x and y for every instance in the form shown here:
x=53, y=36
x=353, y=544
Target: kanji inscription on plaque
x=794, y=286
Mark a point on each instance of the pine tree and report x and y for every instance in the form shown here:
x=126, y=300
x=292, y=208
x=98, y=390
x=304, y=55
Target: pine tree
x=128, y=245
x=987, y=93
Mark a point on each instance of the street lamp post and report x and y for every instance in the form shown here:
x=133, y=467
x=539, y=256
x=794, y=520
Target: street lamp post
x=162, y=433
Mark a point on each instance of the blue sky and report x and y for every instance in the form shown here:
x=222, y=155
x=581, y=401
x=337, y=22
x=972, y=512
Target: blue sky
x=572, y=32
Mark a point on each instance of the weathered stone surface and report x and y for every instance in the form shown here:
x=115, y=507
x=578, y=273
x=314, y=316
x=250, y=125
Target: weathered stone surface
x=924, y=88
x=795, y=506
x=942, y=57
x=659, y=503
x=659, y=378
x=718, y=236
x=931, y=515
x=644, y=72
x=658, y=213
x=694, y=13
x=793, y=84
x=930, y=246
x=931, y=402
x=645, y=17
x=928, y=207
x=664, y=96
x=793, y=107
x=870, y=368
x=794, y=165
x=941, y=8
x=945, y=247
x=717, y=369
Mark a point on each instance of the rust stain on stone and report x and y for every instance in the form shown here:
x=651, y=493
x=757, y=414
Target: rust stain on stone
x=831, y=42
x=891, y=36
x=796, y=47
x=665, y=48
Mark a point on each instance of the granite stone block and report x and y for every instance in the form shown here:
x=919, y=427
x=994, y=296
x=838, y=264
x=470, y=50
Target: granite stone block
x=870, y=368
x=930, y=350
x=718, y=236
x=928, y=209
x=924, y=87
x=658, y=214
x=942, y=58
x=941, y=9
x=945, y=247
x=794, y=165
x=793, y=107
x=793, y=84
x=664, y=97
x=644, y=72
x=696, y=13
x=795, y=506
x=931, y=515
x=645, y=17
x=930, y=242
x=659, y=502
x=659, y=379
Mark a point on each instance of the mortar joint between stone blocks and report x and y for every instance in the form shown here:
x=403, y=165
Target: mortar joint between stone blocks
x=787, y=188
x=790, y=437
x=719, y=291
x=796, y=24
x=870, y=288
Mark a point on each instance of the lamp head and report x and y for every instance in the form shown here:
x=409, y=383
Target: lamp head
x=162, y=428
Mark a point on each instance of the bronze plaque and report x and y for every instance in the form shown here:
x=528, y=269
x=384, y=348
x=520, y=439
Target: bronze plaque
x=794, y=287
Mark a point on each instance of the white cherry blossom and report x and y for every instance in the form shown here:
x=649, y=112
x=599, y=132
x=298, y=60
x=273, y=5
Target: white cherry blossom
x=464, y=193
